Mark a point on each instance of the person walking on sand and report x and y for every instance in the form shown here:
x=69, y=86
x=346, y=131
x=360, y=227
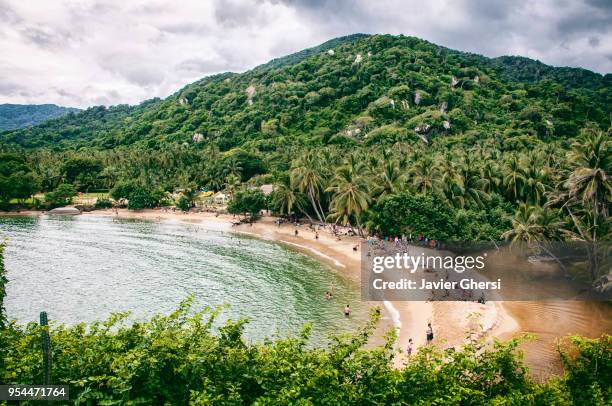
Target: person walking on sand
x=409, y=348
x=296, y=232
x=429, y=333
x=347, y=311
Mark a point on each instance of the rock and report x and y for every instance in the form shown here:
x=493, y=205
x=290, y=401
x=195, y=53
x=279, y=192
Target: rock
x=369, y=54
x=476, y=79
x=250, y=91
x=417, y=97
x=197, y=137
x=183, y=101
x=405, y=105
x=454, y=82
x=358, y=58
x=331, y=52
x=393, y=104
x=422, y=129
x=447, y=125
x=443, y=107
x=65, y=211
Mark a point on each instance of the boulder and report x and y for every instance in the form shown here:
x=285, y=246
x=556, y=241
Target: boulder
x=65, y=211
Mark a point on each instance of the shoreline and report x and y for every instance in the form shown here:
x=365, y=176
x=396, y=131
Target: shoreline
x=450, y=320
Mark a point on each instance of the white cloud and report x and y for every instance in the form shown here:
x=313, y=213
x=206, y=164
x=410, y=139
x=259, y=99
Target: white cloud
x=82, y=53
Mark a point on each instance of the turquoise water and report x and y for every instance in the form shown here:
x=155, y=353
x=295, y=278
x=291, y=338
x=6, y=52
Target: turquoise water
x=83, y=268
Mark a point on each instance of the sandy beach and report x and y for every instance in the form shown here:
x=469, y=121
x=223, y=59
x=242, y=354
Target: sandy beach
x=452, y=321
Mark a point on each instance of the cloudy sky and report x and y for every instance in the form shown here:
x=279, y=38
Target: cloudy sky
x=83, y=53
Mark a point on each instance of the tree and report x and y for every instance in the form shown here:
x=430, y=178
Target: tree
x=61, y=196
x=306, y=177
x=247, y=201
x=405, y=214
x=141, y=198
x=350, y=196
x=285, y=199
x=83, y=172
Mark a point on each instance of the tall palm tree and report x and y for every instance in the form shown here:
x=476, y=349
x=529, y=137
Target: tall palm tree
x=513, y=177
x=306, y=177
x=285, y=199
x=351, y=196
x=535, y=179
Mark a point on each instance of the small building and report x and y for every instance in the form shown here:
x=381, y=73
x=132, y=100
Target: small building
x=266, y=189
x=220, y=198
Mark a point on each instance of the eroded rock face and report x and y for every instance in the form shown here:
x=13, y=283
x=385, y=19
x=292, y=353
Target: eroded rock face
x=417, y=97
x=183, y=101
x=358, y=58
x=454, y=82
x=197, y=137
x=422, y=129
x=331, y=52
x=447, y=125
x=250, y=91
x=476, y=79
x=443, y=107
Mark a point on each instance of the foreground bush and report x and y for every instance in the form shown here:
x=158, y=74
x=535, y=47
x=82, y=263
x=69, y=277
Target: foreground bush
x=182, y=358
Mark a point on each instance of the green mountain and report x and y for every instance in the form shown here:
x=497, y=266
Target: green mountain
x=14, y=116
x=353, y=90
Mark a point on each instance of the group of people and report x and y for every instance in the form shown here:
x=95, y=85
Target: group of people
x=429, y=336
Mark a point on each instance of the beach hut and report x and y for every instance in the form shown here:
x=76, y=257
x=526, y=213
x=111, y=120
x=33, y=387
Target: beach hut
x=220, y=198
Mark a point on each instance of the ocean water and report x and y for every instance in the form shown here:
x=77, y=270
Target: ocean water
x=84, y=268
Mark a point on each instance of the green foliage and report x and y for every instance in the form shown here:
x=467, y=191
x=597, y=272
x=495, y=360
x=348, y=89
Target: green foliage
x=17, y=179
x=3, y=282
x=248, y=201
x=103, y=204
x=588, y=363
x=188, y=357
x=183, y=203
x=141, y=198
x=123, y=190
x=83, y=172
x=14, y=116
x=61, y=196
x=417, y=215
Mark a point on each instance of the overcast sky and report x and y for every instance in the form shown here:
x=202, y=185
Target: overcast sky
x=84, y=53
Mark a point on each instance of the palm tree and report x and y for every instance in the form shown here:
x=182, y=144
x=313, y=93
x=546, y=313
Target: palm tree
x=525, y=225
x=306, y=177
x=535, y=179
x=350, y=196
x=423, y=174
x=389, y=180
x=285, y=199
x=513, y=177
x=474, y=184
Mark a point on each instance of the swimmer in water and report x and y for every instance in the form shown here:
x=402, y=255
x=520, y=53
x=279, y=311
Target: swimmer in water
x=347, y=311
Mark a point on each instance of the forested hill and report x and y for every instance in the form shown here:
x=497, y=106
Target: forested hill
x=14, y=116
x=355, y=90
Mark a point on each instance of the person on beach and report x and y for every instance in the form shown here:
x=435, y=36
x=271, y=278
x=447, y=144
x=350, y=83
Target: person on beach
x=347, y=311
x=409, y=348
x=316, y=236
x=296, y=232
x=429, y=333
